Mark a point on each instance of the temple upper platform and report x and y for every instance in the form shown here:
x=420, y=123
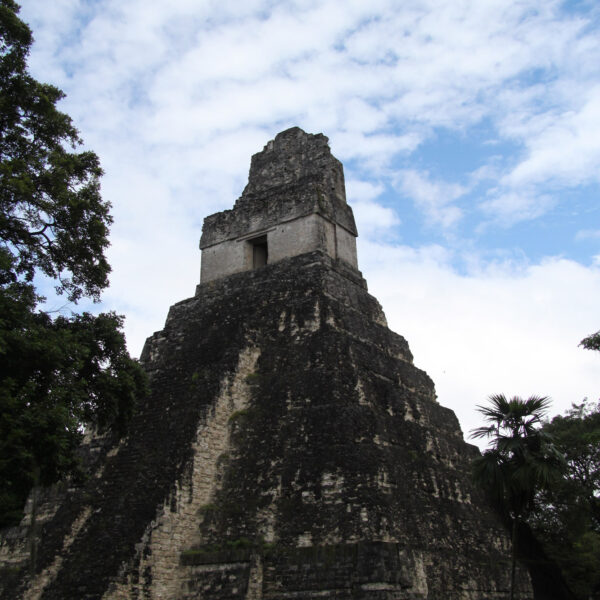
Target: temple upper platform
x=294, y=203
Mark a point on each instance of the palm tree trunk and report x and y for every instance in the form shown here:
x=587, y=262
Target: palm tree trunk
x=513, y=559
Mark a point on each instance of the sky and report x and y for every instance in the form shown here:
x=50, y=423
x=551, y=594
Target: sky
x=469, y=131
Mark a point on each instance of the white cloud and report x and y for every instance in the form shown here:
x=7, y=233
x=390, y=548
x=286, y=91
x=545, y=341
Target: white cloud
x=510, y=207
x=362, y=191
x=434, y=198
x=372, y=218
x=563, y=148
x=587, y=234
x=437, y=63
x=374, y=151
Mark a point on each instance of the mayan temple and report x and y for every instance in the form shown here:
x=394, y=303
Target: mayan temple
x=289, y=447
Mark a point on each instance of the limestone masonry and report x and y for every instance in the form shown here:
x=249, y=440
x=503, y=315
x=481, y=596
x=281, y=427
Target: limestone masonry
x=294, y=203
x=289, y=447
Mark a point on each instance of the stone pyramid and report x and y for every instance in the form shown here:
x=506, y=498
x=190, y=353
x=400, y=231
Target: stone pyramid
x=289, y=447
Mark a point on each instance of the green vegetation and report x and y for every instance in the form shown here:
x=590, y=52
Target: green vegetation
x=58, y=374
x=238, y=414
x=592, y=342
x=228, y=551
x=564, y=516
x=253, y=379
x=567, y=516
x=268, y=547
x=521, y=461
x=242, y=548
x=240, y=543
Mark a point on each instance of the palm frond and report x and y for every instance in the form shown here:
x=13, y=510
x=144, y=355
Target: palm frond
x=521, y=459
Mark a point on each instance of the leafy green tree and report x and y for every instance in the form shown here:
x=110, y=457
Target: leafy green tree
x=52, y=217
x=567, y=515
x=58, y=374
x=521, y=460
x=591, y=342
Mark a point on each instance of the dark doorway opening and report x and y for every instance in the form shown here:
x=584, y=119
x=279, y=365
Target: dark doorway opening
x=260, y=252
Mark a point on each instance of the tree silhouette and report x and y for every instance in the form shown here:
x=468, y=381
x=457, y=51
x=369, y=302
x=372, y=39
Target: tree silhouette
x=520, y=461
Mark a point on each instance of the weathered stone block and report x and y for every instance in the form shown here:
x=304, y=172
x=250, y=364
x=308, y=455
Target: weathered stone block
x=295, y=202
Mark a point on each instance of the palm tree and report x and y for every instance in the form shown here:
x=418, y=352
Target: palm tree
x=520, y=461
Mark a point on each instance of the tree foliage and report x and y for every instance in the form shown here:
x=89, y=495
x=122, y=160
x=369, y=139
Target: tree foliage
x=520, y=462
x=52, y=217
x=567, y=516
x=57, y=373
x=591, y=342
x=521, y=459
